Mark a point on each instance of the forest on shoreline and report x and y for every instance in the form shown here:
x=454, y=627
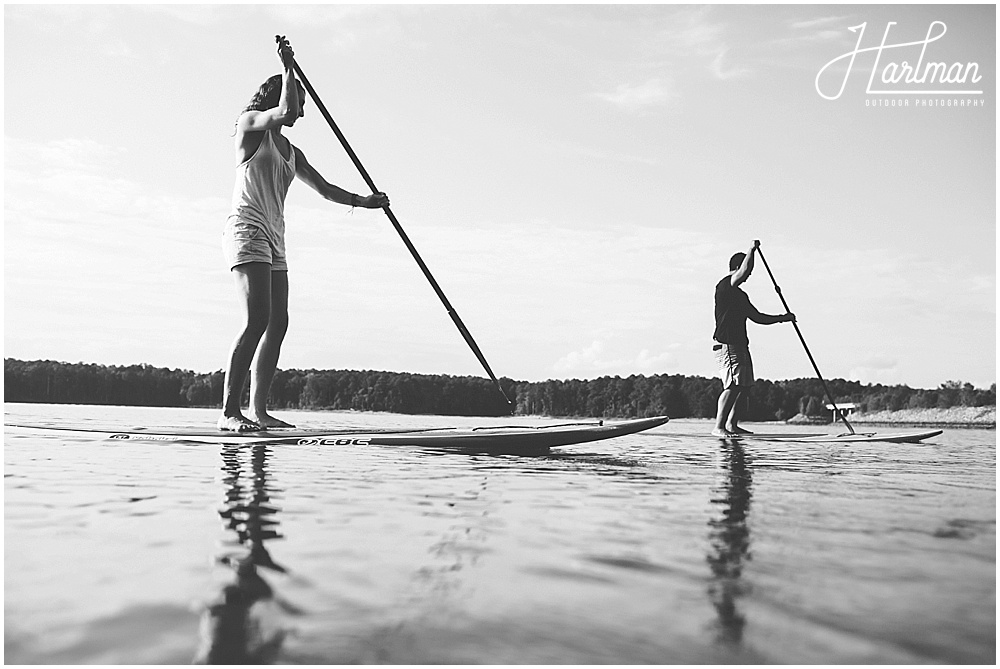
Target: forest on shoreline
x=677, y=396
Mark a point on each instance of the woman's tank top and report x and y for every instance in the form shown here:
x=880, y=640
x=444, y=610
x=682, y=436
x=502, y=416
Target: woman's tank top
x=261, y=185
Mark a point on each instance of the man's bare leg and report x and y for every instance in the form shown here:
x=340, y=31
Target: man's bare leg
x=725, y=418
x=731, y=424
x=266, y=362
x=253, y=286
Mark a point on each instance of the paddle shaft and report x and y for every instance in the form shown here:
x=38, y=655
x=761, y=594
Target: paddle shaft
x=399, y=229
x=819, y=376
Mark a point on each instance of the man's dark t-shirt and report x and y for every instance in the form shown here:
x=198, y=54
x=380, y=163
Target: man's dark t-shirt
x=732, y=307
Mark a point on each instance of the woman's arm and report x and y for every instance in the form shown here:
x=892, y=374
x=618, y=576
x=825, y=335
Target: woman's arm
x=288, y=109
x=308, y=174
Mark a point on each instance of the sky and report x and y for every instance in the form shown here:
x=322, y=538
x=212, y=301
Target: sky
x=576, y=178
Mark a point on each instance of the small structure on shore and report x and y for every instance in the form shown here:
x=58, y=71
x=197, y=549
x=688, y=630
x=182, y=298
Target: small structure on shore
x=845, y=409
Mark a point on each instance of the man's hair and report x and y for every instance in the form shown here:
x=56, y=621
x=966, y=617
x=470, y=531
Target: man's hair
x=736, y=261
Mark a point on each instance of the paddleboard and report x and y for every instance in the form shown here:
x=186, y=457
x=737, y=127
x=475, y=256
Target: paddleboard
x=517, y=440
x=898, y=437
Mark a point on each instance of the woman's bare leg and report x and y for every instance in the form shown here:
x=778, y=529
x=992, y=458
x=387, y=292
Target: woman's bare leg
x=253, y=286
x=266, y=361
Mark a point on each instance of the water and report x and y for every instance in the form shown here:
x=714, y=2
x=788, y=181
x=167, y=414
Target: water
x=663, y=547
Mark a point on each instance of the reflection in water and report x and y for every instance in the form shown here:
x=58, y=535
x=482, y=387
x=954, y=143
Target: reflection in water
x=243, y=624
x=730, y=543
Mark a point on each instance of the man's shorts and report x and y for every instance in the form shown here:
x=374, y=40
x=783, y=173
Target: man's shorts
x=244, y=242
x=735, y=365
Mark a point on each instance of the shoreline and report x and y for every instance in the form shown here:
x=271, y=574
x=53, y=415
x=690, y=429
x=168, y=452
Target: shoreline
x=972, y=417
x=954, y=417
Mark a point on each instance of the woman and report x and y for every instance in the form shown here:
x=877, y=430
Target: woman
x=254, y=241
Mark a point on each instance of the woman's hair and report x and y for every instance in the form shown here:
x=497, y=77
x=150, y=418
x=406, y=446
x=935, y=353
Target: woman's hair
x=268, y=95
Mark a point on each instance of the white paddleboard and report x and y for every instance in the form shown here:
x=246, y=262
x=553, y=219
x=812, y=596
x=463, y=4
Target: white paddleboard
x=517, y=440
x=898, y=437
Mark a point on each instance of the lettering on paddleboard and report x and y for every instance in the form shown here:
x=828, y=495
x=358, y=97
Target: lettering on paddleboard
x=312, y=441
x=334, y=442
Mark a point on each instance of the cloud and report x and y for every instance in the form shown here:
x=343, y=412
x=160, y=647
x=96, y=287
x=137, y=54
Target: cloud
x=818, y=31
x=666, y=54
x=54, y=156
x=697, y=34
x=877, y=368
x=808, y=24
x=595, y=360
x=717, y=68
x=634, y=97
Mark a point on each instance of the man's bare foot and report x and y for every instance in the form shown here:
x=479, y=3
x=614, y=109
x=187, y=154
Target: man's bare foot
x=725, y=434
x=267, y=421
x=237, y=423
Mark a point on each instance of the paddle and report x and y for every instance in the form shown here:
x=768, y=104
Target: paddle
x=803, y=340
x=406, y=240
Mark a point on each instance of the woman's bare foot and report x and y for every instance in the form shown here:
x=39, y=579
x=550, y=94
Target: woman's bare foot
x=725, y=434
x=237, y=423
x=267, y=421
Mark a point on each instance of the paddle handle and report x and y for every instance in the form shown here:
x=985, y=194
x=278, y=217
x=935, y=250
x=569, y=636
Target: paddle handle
x=464, y=331
x=802, y=339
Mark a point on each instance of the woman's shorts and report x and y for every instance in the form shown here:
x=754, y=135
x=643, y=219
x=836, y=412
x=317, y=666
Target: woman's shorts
x=735, y=365
x=244, y=242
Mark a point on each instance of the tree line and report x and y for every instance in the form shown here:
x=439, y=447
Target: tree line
x=677, y=396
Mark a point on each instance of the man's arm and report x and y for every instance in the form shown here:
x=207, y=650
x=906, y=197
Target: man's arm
x=743, y=273
x=767, y=319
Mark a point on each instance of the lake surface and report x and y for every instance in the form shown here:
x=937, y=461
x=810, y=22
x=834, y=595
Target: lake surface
x=663, y=547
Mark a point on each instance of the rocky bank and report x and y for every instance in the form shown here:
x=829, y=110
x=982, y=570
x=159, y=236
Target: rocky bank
x=983, y=417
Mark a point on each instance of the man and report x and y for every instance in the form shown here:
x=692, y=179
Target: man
x=732, y=347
